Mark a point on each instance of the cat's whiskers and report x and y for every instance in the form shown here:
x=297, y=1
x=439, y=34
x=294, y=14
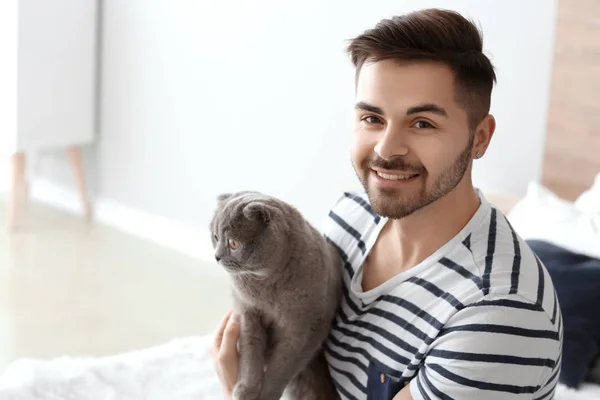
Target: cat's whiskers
x=256, y=275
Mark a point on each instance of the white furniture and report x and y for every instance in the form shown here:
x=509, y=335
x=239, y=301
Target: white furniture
x=47, y=84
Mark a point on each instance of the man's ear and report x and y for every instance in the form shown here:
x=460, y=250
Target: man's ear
x=257, y=211
x=483, y=135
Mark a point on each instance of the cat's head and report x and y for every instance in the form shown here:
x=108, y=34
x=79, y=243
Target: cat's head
x=249, y=233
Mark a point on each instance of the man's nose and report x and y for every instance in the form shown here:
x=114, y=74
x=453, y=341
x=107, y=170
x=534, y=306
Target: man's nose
x=391, y=144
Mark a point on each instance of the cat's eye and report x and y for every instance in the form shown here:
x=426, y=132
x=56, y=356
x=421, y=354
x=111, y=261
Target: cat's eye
x=234, y=244
x=216, y=238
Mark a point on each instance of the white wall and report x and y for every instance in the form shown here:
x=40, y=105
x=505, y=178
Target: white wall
x=201, y=97
x=214, y=96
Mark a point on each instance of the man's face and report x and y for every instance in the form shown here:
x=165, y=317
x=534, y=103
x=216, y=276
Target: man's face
x=412, y=144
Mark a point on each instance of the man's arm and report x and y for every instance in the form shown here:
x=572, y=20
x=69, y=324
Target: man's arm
x=404, y=394
x=504, y=349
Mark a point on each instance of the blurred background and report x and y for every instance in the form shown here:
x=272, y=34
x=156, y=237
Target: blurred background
x=136, y=114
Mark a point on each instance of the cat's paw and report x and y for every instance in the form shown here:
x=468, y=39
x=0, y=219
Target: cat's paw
x=244, y=392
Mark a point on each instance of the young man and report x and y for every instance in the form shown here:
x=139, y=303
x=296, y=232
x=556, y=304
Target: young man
x=442, y=299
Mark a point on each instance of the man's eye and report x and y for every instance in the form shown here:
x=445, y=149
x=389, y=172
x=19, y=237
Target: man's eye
x=423, y=125
x=371, y=119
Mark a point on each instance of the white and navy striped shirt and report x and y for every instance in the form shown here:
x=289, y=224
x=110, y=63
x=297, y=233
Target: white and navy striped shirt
x=478, y=319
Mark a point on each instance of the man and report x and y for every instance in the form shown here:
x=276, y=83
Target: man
x=442, y=299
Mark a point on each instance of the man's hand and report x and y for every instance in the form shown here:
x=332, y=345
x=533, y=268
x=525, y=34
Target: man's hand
x=225, y=352
x=404, y=394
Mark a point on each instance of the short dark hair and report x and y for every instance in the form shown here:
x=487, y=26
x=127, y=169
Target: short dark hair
x=434, y=35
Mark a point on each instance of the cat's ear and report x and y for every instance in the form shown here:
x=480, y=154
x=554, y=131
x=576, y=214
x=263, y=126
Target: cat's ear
x=224, y=196
x=258, y=212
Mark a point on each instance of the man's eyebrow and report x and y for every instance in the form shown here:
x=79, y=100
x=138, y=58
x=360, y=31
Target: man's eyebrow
x=429, y=107
x=361, y=105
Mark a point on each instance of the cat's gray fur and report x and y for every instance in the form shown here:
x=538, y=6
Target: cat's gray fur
x=286, y=288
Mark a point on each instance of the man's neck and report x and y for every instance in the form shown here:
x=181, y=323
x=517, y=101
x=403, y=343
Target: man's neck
x=422, y=233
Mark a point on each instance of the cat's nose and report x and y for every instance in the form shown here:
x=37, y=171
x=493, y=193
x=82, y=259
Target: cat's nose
x=217, y=258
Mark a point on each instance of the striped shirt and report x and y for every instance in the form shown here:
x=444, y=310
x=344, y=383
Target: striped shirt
x=478, y=319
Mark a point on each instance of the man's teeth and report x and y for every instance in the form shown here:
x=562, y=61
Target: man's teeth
x=394, y=177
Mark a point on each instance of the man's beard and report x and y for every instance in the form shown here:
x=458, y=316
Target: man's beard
x=396, y=203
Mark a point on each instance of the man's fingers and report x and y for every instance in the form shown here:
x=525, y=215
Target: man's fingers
x=228, y=349
x=220, y=330
x=225, y=354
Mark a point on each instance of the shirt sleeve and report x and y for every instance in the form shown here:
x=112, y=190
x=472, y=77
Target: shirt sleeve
x=498, y=349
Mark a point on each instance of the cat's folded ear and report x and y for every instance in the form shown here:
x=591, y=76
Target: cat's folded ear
x=258, y=211
x=224, y=196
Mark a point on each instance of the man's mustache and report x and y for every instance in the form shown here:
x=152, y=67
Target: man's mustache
x=395, y=164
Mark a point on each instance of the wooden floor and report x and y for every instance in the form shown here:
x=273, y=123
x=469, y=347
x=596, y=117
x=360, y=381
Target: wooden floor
x=70, y=289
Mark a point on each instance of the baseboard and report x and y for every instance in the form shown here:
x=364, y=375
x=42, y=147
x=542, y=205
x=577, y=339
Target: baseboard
x=184, y=238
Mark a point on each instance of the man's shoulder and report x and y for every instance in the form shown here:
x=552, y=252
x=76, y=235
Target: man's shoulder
x=353, y=208
x=350, y=222
x=507, y=265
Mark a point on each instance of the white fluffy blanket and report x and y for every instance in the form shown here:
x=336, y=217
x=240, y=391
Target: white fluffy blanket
x=179, y=370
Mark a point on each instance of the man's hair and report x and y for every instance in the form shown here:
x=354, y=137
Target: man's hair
x=434, y=35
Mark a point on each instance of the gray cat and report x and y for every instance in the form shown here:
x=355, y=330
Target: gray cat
x=286, y=288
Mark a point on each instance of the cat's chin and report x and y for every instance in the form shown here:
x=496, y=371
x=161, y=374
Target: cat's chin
x=230, y=269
